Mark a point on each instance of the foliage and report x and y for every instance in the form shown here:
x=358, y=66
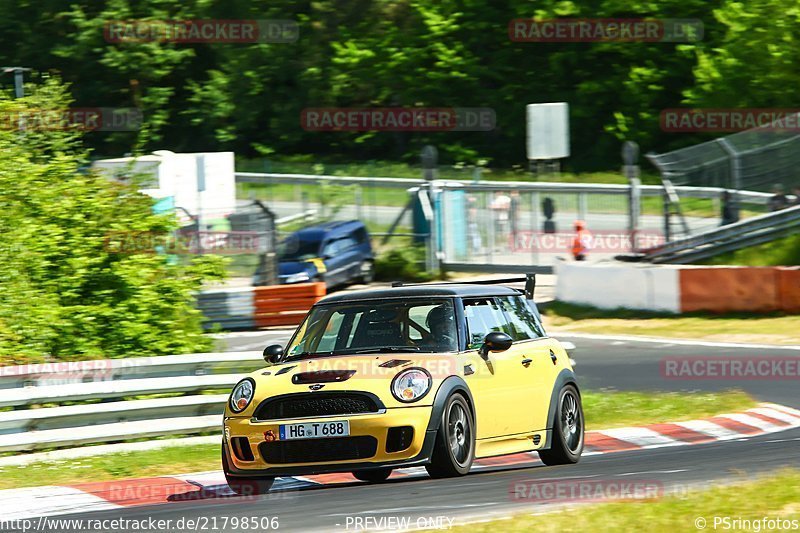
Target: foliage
x=402, y=264
x=782, y=252
x=66, y=294
x=357, y=53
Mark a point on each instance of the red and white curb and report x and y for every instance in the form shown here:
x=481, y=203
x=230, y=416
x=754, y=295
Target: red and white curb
x=85, y=497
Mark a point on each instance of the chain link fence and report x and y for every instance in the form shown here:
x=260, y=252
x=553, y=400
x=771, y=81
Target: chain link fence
x=755, y=160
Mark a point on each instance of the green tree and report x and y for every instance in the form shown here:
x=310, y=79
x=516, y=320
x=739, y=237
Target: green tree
x=66, y=293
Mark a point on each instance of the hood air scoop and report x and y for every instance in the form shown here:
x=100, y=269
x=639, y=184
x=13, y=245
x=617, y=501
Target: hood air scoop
x=322, y=376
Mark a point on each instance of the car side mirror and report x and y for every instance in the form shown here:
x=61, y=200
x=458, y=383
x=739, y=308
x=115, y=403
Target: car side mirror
x=273, y=353
x=496, y=341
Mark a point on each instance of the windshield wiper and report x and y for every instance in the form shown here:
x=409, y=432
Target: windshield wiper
x=382, y=349
x=307, y=354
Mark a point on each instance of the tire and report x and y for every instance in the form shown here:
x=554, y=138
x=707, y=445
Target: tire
x=366, y=272
x=373, y=476
x=454, y=449
x=245, y=486
x=568, y=430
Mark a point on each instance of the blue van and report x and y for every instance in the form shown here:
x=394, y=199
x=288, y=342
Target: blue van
x=338, y=253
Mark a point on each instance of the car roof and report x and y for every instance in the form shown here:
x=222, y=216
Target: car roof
x=426, y=290
x=313, y=233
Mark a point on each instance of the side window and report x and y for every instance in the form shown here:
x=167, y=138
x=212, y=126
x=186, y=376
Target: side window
x=484, y=315
x=522, y=323
x=346, y=243
x=417, y=318
x=330, y=249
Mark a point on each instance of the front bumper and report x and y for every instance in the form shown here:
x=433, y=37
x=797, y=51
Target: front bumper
x=375, y=425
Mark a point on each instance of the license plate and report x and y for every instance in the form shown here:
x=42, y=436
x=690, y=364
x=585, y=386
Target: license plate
x=315, y=430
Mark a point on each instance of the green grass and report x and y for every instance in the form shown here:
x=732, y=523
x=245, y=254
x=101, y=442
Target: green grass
x=164, y=461
x=602, y=409
x=611, y=409
x=776, y=496
x=392, y=169
x=781, y=252
x=773, y=328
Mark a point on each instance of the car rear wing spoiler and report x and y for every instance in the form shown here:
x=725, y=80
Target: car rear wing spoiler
x=529, y=280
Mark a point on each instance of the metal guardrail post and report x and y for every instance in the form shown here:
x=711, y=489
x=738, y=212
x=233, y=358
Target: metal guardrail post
x=736, y=172
x=583, y=209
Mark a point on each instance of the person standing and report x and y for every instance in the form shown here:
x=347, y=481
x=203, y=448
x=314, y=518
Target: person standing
x=582, y=241
x=501, y=204
x=729, y=211
x=514, y=219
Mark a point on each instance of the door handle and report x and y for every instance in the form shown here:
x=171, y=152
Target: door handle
x=526, y=362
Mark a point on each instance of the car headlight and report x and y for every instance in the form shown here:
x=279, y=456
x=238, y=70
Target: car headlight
x=242, y=395
x=411, y=385
x=298, y=277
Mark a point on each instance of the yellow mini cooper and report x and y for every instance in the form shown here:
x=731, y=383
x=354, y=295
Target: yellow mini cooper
x=432, y=375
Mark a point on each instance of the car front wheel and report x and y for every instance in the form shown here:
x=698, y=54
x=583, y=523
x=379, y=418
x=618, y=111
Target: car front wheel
x=245, y=486
x=454, y=450
x=567, y=442
x=373, y=476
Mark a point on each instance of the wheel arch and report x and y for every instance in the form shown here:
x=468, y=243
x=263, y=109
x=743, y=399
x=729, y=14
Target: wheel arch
x=565, y=377
x=448, y=387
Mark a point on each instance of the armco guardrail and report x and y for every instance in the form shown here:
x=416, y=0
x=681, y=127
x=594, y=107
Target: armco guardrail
x=255, y=307
x=71, y=372
x=115, y=381
x=749, y=232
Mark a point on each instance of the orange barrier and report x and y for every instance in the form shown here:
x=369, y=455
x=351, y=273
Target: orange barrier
x=789, y=289
x=285, y=305
x=732, y=289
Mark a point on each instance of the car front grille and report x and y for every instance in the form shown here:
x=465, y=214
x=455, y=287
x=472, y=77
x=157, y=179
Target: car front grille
x=318, y=450
x=315, y=404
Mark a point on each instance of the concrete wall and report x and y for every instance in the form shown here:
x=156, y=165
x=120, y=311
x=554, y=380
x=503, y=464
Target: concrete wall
x=679, y=288
x=612, y=285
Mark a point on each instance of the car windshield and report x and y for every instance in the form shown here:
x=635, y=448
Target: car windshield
x=294, y=249
x=401, y=325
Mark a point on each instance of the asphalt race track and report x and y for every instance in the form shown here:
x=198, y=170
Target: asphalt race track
x=617, y=363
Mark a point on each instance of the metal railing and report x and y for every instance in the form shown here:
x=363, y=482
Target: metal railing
x=746, y=233
x=474, y=236
x=119, y=416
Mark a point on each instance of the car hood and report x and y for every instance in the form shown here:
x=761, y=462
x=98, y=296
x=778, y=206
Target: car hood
x=372, y=373
x=286, y=268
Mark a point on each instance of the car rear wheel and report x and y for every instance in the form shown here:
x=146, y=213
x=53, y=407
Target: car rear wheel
x=245, y=486
x=567, y=442
x=454, y=450
x=373, y=476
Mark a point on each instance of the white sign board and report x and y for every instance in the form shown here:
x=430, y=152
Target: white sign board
x=548, y=130
x=205, y=181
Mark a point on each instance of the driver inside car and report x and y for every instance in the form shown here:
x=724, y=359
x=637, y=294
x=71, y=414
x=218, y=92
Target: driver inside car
x=442, y=326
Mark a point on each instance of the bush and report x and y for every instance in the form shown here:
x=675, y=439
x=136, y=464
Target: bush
x=65, y=293
x=402, y=264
